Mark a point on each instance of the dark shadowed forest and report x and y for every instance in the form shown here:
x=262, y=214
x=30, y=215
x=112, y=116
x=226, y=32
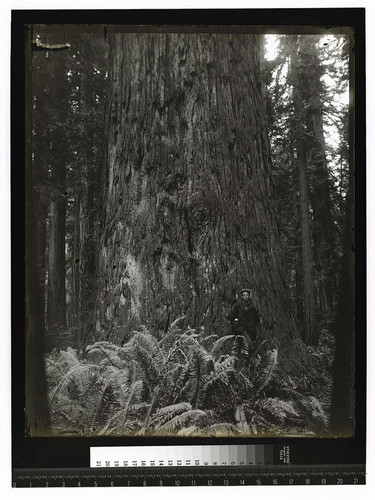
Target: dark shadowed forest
x=189, y=243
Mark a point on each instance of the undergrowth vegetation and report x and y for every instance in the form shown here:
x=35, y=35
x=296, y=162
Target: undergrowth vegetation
x=187, y=384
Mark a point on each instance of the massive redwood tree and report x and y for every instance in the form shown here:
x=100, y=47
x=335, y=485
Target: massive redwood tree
x=188, y=215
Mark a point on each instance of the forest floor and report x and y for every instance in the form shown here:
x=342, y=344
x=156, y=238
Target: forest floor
x=188, y=384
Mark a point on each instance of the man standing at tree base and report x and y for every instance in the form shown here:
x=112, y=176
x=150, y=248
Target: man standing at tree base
x=244, y=319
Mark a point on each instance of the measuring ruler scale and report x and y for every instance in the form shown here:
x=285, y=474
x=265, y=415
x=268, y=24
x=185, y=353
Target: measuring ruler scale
x=218, y=465
x=191, y=476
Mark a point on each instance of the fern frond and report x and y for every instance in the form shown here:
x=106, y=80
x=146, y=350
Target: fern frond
x=53, y=370
x=67, y=416
x=172, y=334
x=312, y=413
x=318, y=411
x=180, y=420
x=150, y=344
x=200, y=362
x=209, y=338
x=220, y=342
x=58, y=364
x=151, y=372
x=120, y=380
x=172, y=410
x=134, y=393
x=81, y=374
x=269, y=370
x=221, y=372
x=111, y=424
x=196, y=371
x=70, y=410
x=130, y=427
x=69, y=357
x=246, y=382
x=177, y=320
x=145, y=349
x=109, y=353
x=241, y=420
x=279, y=409
x=105, y=405
x=168, y=412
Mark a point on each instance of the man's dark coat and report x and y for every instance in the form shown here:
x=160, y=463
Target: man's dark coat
x=248, y=319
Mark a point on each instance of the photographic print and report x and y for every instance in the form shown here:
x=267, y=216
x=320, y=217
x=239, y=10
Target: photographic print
x=189, y=231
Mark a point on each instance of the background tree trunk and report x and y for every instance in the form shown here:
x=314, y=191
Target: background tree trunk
x=76, y=253
x=56, y=294
x=87, y=260
x=311, y=88
x=342, y=414
x=310, y=334
x=188, y=216
x=90, y=96
x=57, y=92
x=299, y=286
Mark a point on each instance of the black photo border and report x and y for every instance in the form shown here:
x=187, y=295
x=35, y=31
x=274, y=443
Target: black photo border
x=49, y=452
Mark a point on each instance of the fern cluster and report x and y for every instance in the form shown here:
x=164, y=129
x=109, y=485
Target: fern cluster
x=186, y=384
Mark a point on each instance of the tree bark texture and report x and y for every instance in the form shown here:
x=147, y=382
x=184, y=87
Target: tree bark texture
x=299, y=286
x=57, y=95
x=310, y=333
x=56, y=293
x=76, y=253
x=89, y=165
x=318, y=171
x=188, y=214
x=87, y=260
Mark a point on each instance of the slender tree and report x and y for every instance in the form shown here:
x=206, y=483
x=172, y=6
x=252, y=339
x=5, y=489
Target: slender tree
x=323, y=75
x=56, y=94
x=310, y=332
x=86, y=120
x=188, y=211
x=342, y=414
x=320, y=189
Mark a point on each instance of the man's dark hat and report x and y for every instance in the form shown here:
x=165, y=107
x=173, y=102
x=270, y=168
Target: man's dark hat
x=245, y=290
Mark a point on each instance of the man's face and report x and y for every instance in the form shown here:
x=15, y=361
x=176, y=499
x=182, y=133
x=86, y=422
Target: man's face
x=245, y=296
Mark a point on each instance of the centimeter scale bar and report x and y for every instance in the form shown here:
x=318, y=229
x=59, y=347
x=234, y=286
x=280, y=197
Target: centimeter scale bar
x=273, y=475
x=188, y=456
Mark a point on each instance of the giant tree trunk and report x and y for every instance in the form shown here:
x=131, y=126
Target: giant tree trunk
x=310, y=334
x=320, y=192
x=188, y=214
